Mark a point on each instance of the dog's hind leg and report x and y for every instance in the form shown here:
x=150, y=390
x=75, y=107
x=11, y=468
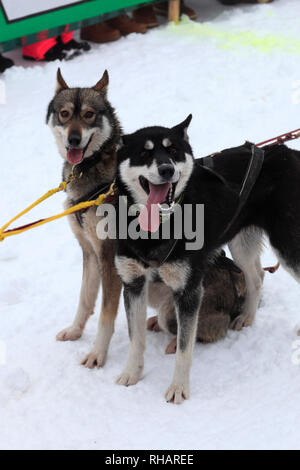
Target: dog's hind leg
x=245, y=249
x=160, y=297
x=286, y=247
x=111, y=291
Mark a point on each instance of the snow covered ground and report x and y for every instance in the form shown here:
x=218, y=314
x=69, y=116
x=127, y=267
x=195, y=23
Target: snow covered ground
x=245, y=390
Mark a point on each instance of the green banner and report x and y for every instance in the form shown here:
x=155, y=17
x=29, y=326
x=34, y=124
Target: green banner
x=24, y=22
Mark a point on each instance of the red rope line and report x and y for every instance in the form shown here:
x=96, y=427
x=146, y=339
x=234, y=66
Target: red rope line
x=24, y=226
x=292, y=135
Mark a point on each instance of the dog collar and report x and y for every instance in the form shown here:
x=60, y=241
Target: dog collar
x=92, y=161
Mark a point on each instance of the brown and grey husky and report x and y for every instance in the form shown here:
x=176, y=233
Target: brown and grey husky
x=87, y=133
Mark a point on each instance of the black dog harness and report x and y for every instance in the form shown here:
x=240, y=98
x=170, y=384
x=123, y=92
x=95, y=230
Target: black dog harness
x=250, y=178
x=88, y=197
x=92, y=161
x=85, y=166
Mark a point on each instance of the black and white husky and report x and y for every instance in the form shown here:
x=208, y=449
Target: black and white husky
x=156, y=168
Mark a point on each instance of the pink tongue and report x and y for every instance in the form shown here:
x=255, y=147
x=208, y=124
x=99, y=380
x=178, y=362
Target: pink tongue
x=149, y=217
x=74, y=156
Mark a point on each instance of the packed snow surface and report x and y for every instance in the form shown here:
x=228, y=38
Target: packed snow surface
x=244, y=390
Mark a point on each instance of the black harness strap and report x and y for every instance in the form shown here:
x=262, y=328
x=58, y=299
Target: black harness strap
x=92, y=194
x=250, y=178
x=208, y=162
x=89, y=197
x=83, y=167
x=88, y=163
x=92, y=161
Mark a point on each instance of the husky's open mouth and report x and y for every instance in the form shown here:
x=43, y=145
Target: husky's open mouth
x=158, y=194
x=165, y=191
x=76, y=155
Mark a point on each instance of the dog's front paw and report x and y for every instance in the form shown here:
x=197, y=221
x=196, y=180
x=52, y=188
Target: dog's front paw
x=177, y=393
x=129, y=377
x=94, y=359
x=242, y=321
x=69, y=334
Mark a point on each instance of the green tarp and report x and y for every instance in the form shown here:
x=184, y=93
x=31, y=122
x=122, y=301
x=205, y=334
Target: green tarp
x=25, y=21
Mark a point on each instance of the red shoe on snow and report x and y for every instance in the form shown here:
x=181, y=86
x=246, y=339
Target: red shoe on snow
x=46, y=51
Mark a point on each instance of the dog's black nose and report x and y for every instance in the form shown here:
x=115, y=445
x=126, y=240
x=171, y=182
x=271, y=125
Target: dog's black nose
x=74, y=139
x=166, y=171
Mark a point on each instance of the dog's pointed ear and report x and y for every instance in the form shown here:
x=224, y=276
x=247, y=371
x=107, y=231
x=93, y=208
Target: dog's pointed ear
x=102, y=85
x=60, y=82
x=182, y=128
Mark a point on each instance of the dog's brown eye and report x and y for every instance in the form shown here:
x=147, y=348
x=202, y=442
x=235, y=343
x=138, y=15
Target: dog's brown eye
x=64, y=114
x=143, y=153
x=173, y=150
x=89, y=115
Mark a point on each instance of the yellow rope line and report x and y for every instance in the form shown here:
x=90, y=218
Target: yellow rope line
x=71, y=210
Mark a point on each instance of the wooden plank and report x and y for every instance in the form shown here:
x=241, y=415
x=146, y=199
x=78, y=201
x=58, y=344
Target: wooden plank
x=174, y=10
